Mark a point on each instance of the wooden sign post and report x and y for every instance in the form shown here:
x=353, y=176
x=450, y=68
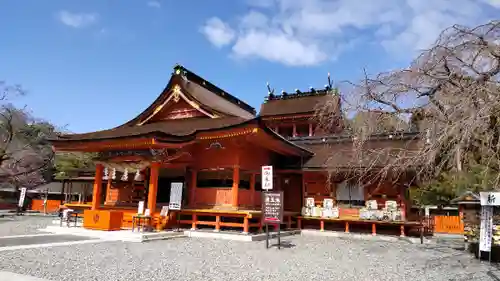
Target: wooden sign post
x=272, y=212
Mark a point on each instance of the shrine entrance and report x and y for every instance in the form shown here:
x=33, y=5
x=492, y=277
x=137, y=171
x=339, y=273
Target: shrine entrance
x=165, y=178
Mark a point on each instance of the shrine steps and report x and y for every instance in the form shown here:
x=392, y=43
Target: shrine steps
x=236, y=236
x=122, y=235
x=362, y=236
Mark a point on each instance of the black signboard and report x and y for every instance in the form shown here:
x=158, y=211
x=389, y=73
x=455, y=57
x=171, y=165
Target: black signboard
x=272, y=206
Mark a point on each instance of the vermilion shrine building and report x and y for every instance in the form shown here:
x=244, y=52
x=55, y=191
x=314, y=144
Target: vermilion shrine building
x=216, y=144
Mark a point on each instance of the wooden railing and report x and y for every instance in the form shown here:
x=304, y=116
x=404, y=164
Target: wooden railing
x=448, y=224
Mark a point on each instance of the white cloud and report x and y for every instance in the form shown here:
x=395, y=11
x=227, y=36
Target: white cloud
x=309, y=32
x=77, y=20
x=217, y=32
x=154, y=4
x=278, y=48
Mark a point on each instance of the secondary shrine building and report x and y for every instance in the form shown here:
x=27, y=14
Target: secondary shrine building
x=216, y=144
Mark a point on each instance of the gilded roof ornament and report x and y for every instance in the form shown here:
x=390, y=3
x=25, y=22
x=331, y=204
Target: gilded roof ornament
x=176, y=94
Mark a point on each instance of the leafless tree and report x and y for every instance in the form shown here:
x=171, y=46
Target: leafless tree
x=449, y=97
x=25, y=155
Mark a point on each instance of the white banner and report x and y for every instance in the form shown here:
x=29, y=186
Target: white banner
x=175, y=196
x=486, y=228
x=140, y=208
x=267, y=177
x=490, y=198
x=22, y=196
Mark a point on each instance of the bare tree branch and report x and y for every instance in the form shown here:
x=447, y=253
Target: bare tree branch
x=449, y=97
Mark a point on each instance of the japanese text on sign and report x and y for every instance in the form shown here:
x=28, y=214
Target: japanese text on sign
x=485, y=232
x=22, y=197
x=175, y=196
x=267, y=177
x=272, y=207
x=490, y=198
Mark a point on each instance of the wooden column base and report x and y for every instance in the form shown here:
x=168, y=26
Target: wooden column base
x=245, y=225
x=217, y=223
x=193, y=224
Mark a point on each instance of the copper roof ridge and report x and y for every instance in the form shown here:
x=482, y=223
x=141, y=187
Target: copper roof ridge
x=347, y=137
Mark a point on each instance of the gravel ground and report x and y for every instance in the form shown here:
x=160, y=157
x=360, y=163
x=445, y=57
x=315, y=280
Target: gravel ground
x=308, y=258
x=21, y=225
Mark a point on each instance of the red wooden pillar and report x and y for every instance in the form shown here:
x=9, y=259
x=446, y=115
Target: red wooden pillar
x=217, y=223
x=153, y=186
x=245, y=225
x=192, y=188
x=402, y=205
x=236, y=185
x=96, y=193
x=252, y=189
x=294, y=132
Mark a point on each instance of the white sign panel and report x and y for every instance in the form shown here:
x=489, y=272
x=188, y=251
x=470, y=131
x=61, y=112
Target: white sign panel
x=175, y=196
x=22, y=196
x=164, y=211
x=486, y=228
x=267, y=177
x=490, y=198
x=140, y=208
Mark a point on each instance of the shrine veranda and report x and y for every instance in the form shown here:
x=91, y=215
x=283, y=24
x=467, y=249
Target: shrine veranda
x=215, y=144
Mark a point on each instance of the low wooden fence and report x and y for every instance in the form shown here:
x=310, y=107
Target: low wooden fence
x=52, y=205
x=448, y=224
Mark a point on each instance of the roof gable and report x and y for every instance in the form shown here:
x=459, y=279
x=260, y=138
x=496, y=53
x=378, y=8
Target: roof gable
x=178, y=109
x=203, y=99
x=177, y=105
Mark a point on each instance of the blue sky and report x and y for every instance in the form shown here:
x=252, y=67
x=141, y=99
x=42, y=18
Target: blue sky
x=96, y=64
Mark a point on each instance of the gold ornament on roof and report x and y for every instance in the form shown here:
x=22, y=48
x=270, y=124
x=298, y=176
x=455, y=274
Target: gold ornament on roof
x=176, y=94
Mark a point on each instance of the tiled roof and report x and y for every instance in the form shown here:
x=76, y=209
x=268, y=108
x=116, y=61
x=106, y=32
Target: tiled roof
x=294, y=104
x=337, y=152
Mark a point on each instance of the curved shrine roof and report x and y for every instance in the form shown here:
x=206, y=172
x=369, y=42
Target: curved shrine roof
x=168, y=128
x=205, y=94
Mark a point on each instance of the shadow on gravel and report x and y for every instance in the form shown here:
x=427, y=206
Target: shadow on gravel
x=284, y=245
x=493, y=276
